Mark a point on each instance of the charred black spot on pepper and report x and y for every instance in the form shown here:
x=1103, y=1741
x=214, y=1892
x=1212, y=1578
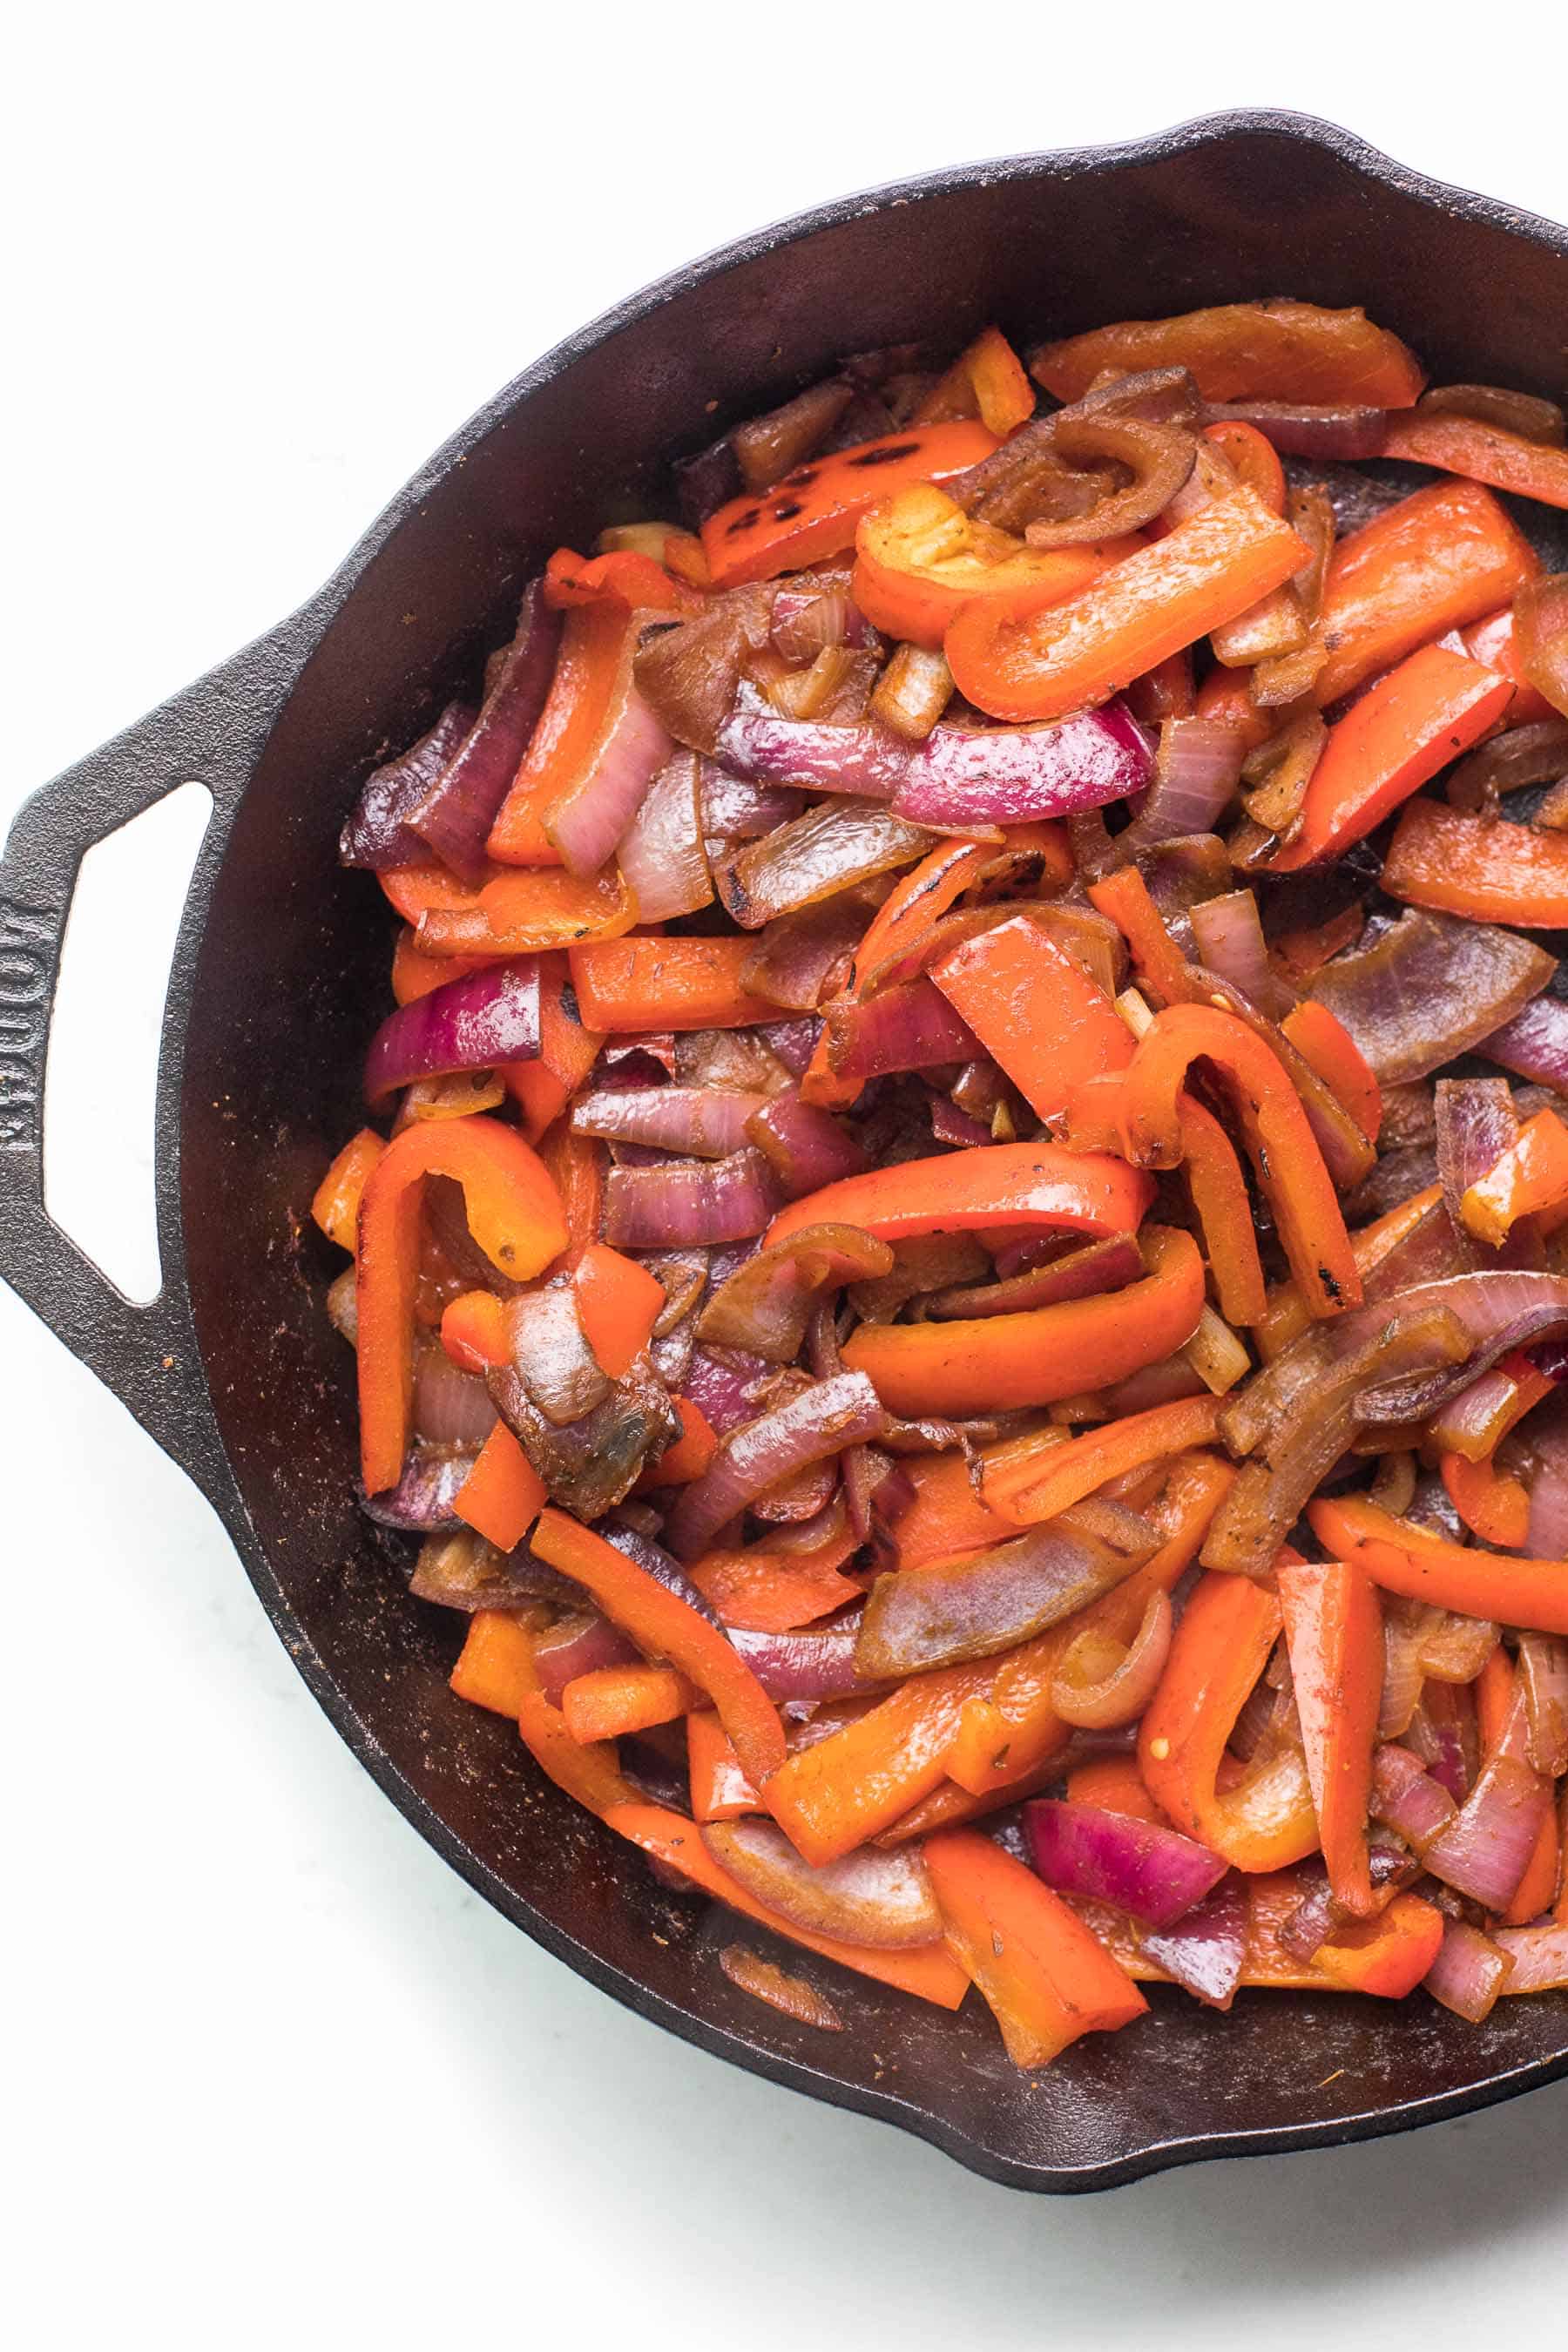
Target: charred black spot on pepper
x=801, y=480
x=1329, y=1285
x=870, y=458
x=786, y=510
x=746, y=521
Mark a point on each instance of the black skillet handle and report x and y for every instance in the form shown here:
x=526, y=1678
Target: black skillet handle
x=212, y=734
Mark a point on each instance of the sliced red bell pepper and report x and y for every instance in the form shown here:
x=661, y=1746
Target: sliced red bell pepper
x=495, y=1668
x=1412, y=723
x=1265, y=1818
x=616, y=1702
x=618, y=1303
x=813, y=512
x=1035, y=1011
x=720, y=1789
x=920, y=560
x=656, y=983
x=1002, y=1184
x=414, y=973
x=986, y=380
x=1274, y=1126
x=1287, y=1317
x=1326, y=1046
x=1125, y=897
x=1491, y=643
x=688, y=1457
x=1482, y=452
x=920, y=898
x=1478, y=866
x=514, y=1215
x=1333, y=1627
x=1248, y=351
x=1387, y=1957
x=1495, y=1508
x=1529, y=1180
x=772, y=1588
x=576, y=1166
x=567, y=1052
x=1020, y=665
x=586, y=699
x=623, y=577
x=528, y=913
x=335, y=1204
x=1026, y=1492
x=1044, y=1978
x=1407, y=1560
x=1115, y=1784
x=1044, y=1353
x=503, y=1494
x=669, y=1630
x=1224, y=1210
x=1252, y=456
x=473, y=1331
x=831, y=1797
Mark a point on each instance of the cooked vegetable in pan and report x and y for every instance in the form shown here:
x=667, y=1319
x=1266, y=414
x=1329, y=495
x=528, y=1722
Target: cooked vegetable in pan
x=960, y=1261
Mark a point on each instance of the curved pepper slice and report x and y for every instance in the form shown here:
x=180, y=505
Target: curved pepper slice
x=503, y=1494
x=1021, y=664
x=1264, y=1820
x=514, y=1215
x=986, y=379
x=1495, y=1508
x=623, y=577
x=1280, y=350
x=889, y=951
x=1529, y=1180
x=1326, y=1046
x=1402, y=1558
x=1038, y=1012
x=996, y=1184
x=1482, y=452
x=919, y=560
x=669, y=1630
x=1026, y=1492
x=335, y=1203
x=587, y=696
x=813, y=512
x=1479, y=866
x=1274, y=1126
x=658, y=985
x=1043, y=1354
x=1333, y=1626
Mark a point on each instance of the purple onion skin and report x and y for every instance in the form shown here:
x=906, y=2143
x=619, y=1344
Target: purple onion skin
x=1307, y=429
x=469, y=1023
x=379, y=834
x=1007, y=775
x=1156, y=1873
x=583, y=1648
x=806, y=1665
x=421, y=1502
x=721, y=1390
x=1534, y=1043
x=825, y=1420
x=454, y=817
x=687, y=1202
x=1206, y=1951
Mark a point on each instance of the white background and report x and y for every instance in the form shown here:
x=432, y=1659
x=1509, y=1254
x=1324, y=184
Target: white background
x=275, y=2074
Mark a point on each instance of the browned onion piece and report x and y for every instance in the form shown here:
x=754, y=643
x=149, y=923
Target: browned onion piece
x=989, y=1600
x=766, y=1305
x=661, y=853
x=1279, y=772
x=1543, y=1672
x=1536, y=753
x=1094, y=1700
x=828, y=850
x=912, y=692
x=1476, y=1123
x=1492, y=404
x=768, y=447
x=880, y=1897
x=799, y=957
x=689, y=675
x=828, y=1417
x=1098, y=1266
x=791, y=1996
x=1540, y=636
x=461, y=1571
x=930, y=1261
x=1307, y=428
x=1453, y=1648
x=1428, y=988
x=1007, y=489
x=708, y=1122
x=1159, y=457
x=552, y=1362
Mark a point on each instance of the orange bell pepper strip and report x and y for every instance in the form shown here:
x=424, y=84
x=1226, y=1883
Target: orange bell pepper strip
x=624, y=577
x=335, y=1203
x=1013, y=1729
x=416, y=891
x=1125, y=897
x=999, y=1185
x=919, y=899
x=1219, y=1195
x=567, y=1052
x=1045, y=1023
x=986, y=380
x=920, y=560
x=1531, y=1177
x=1274, y=1127
x=670, y=1631
x=528, y=913
x=720, y=1789
x=473, y=1331
x=1495, y=1508
x=1482, y=453
x=495, y=1668
x=1287, y=1317
x=1044, y=1353
x=656, y=983
x=1253, y=457
x=1478, y=866
x=414, y=973
x=576, y=1166
x=1275, y=622
x=946, y=1515
x=514, y=1215
x=1333, y=1627
x=833, y=1796
x=591, y=1775
x=615, y=1702
x=813, y=512
x=1115, y=1784
x=1326, y=1046
x=1024, y=666
x=587, y=697
x=1406, y=1559
x=1388, y=1956
x=688, y=1457
x=503, y=1494
x=1280, y=350
x=765, y=1590
x=1045, y=1978
x=1437, y=560
x=1491, y=643
x=618, y=1303
x=1412, y=723
x=926, y=1970
x=1514, y=1387
x=1264, y=1820
x=1023, y=1495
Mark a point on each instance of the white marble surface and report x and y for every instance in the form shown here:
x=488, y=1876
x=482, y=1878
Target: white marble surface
x=275, y=2072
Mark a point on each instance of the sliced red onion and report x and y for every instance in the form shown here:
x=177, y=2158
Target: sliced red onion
x=948, y=1611
x=472, y=1024
x=461, y=1571
x=421, y=1502
x=879, y=1895
x=688, y=1200
x=450, y=1407
x=799, y=956
x=1308, y=429
x=1430, y=987
x=815, y=1663
x=1443, y=1734
x=1166, y=1383
x=1547, y=1537
x=806, y=1147
x=660, y=854
x=1009, y=775
x=738, y=808
x=1540, y=1956
x=454, y=817
x=1156, y=1873
x=1230, y=941
x=1475, y=1125
x=1501, y=1311
x=588, y=819
x=1198, y=768
x=829, y=1416
x=655, y=1561
x=378, y=835
x=705, y=1122
x=1543, y=1674
x=1077, y=1273
x=764, y=1307
x=580, y=1644
x=911, y=1026
x=800, y=1497
x=727, y=1388
x=1484, y=1852
x=1469, y=1972
x=806, y=619
x=559, y=1372
x=1407, y=1797
x=829, y=849
x=1205, y=1951
x=1534, y=1043
x=866, y=760
x=1319, y=1913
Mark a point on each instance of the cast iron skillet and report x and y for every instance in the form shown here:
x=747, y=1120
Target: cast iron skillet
x=279, y=979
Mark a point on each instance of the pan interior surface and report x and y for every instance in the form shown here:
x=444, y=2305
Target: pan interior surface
x=289, y=982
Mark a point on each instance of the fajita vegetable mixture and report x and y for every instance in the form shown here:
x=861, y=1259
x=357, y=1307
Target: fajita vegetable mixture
x=963, y=1261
